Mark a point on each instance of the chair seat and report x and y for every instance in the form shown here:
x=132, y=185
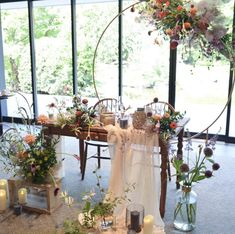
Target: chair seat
x=105, y=105
x=97, y=143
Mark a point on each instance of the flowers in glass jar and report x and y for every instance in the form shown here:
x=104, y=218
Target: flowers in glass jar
x=51, y=109
x=189, y=171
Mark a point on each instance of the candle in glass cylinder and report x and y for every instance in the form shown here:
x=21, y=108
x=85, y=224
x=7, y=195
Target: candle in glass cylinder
x=22, y=195
x=148, y=224
x=135, y=216
x=3, y=200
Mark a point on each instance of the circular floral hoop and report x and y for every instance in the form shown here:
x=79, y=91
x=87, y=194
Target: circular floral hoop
x=94, y=60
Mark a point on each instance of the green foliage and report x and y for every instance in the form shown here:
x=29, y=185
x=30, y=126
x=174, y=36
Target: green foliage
x=99, y=207
x=47, y=23
x=72, y=227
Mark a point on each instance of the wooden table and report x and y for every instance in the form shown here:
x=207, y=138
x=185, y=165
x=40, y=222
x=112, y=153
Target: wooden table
x=100, y=134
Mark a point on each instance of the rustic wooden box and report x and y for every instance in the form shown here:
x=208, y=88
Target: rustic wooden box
x=40, y=197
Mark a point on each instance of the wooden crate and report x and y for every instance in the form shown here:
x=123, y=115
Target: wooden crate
x=40, y=197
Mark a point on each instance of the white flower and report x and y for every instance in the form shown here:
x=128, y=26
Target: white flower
x=69, y=200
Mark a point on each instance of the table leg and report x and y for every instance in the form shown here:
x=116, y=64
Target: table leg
x=164, y=157
x=179, y=152
x=81, y=153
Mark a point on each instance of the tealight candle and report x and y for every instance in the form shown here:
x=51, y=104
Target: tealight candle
x=22, y=195
x=148, y=224
x=3, y=200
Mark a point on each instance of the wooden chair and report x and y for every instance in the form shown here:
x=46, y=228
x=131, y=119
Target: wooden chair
x=102, y=106
x=160, y=107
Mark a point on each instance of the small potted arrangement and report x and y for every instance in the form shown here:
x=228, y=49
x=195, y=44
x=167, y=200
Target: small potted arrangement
x=98, y=209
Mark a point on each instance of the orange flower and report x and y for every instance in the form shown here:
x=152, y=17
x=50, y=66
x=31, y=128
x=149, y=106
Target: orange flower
x=29, y=139
x=22, y=154
x=42, y=119
x=193, y=11
x=187, y=25
x=157, y=117
x=173, y=125
x=167, y=115
x=179, y=8
x=169, y=32
x=79, y=113
x=163, y=14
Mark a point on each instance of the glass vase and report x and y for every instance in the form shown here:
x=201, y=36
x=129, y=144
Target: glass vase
x=185, y=209
x=107, y=222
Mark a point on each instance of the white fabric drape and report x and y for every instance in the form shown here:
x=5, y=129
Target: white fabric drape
x=135, y=160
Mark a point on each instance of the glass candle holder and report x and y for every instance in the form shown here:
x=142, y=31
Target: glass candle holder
x=134, y=217
x=17, y=209
x=123, y=123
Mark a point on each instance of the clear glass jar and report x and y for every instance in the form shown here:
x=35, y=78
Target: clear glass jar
x=185, y=209
x=139, y=118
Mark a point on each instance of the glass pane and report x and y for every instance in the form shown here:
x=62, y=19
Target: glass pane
x=145, y=63
x=52, y=31
x=232, y=122
x=90, y=26
x=202, y=84
x=15, y=32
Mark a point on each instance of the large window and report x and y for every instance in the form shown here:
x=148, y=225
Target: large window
x=48, y=52
x=145, y=63
x=92, y=20
x=202, y=84
x=16, y=50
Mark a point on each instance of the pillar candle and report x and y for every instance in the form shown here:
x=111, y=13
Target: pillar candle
x=3, y=200
x=3, y=184
x=148, y=224
x=22, y=195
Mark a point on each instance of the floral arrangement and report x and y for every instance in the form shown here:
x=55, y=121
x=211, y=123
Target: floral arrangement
x=30, y=155
x=79, y=115
x=194, y=24
x=98, y=206
x=165, y=123
x=192, y=172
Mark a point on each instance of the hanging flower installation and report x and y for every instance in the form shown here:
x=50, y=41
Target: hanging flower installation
x=198, y=24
